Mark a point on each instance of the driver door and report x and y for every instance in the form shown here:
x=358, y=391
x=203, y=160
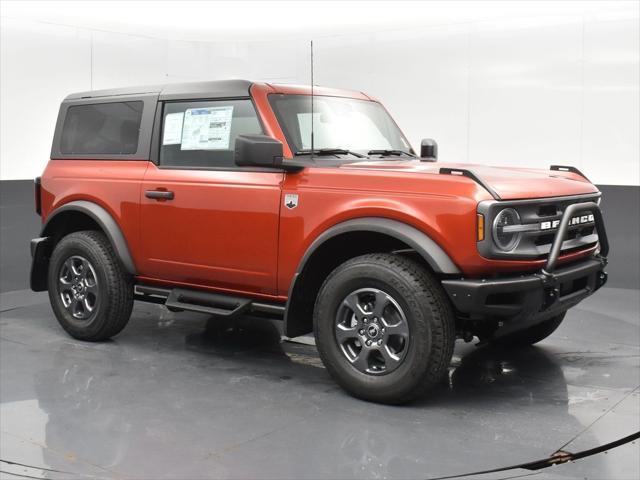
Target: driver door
x=206, y=221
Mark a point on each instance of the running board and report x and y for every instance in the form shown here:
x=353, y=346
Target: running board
x=204, y=302
x=216, y=304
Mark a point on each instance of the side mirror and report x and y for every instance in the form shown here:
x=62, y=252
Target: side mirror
x=258, y=151
x=428, y=150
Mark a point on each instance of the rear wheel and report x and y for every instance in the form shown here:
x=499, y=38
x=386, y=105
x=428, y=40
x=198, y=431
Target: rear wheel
x=531, y=335
x=90, y=293
x=384, y=328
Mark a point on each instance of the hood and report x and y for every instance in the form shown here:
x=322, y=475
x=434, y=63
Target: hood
x=508, y=183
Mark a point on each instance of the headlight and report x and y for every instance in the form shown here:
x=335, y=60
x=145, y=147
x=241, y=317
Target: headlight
x=505, y=237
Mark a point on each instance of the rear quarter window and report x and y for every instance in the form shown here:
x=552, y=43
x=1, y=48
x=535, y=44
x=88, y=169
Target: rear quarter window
x=111, y=128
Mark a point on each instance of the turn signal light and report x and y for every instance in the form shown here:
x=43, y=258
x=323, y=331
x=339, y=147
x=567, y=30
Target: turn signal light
x=480, y=227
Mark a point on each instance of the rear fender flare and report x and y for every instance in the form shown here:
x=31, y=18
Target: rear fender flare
x=106, y=222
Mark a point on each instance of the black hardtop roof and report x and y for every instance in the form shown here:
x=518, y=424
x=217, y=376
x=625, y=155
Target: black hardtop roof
x=175, y=91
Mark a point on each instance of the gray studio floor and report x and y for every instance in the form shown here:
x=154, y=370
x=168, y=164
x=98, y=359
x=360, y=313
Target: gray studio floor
x=177, y=396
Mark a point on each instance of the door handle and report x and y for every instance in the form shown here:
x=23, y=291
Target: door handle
x=159, y=194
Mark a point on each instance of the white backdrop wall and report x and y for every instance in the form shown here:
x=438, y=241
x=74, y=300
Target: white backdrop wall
x=522, y=92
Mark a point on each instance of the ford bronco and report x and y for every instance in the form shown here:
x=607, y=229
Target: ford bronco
x=233, y=198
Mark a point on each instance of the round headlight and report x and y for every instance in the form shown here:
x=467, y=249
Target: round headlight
x=505, y=238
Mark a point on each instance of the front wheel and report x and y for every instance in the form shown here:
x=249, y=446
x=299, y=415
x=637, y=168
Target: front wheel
x=90, y=293
x=384, y=328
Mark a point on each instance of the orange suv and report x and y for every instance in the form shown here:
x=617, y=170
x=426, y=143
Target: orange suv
x=233, y=197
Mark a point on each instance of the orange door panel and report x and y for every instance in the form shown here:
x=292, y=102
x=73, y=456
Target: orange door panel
x=211, y=228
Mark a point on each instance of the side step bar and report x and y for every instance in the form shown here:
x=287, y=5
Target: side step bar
x=216, y=304
x=203, y=302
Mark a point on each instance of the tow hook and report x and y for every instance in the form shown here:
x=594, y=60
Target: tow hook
x=551, y=292
x=602, y=278
x=550, y=296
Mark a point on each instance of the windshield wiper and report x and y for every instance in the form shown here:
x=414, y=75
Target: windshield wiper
x=329, y=151
x=385, y=153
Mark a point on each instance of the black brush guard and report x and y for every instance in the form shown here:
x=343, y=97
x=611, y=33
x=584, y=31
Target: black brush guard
x=535, y=297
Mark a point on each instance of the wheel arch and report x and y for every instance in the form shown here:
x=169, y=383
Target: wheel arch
x=72, y=217
x=347, y=240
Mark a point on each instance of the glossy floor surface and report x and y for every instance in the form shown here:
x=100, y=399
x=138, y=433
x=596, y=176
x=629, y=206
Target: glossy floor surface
x=180, y=396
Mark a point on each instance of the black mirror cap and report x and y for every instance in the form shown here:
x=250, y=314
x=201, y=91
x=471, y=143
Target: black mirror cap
x=428, y=150
x=258, y=151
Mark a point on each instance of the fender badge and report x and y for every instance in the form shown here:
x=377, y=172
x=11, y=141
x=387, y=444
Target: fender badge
x=291, y=200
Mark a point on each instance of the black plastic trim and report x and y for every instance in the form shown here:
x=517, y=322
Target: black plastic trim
x=229, y=169
x=527, y=293
x=465, y=172
x=154, y=151
x=159, y=194
x=258, y=151
x=37, y=186
x=106, y=222
x=40, y=253
x=568, y=168
x=435, y=256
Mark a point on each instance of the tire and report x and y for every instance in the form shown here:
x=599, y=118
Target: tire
x=90, y=293
x=404, y=308
x=531, y=335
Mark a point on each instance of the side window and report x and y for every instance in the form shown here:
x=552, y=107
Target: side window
x=203, y=134
x=102, y=129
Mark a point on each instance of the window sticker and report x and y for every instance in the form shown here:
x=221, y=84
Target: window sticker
x=173, y=129
x=207, y=128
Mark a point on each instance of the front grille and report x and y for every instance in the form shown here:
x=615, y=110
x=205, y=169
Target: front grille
x=539, y=219
x=547, y=210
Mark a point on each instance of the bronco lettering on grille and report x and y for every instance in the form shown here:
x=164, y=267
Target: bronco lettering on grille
x=548, y=225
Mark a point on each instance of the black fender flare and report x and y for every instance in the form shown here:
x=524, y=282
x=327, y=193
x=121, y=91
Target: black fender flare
x=106, y=223
x=420, y=242
x=432, y=253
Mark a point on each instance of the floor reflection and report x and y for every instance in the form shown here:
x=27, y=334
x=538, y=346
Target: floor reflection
x=85, y=419
x=94, y=396
x=529, y=372
x=231, y=337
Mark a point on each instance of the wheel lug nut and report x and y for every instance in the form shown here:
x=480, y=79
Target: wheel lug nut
x=366, y=320
x=361, y=332
x=368, y=343
x=379, y=342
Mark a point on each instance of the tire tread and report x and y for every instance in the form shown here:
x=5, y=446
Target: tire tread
x=424, y=286
x=118, y=292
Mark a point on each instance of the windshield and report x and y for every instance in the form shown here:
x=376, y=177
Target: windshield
x=338, y=123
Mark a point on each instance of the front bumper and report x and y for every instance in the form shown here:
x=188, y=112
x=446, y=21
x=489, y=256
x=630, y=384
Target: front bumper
x=539, y=295
x=517, y=302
